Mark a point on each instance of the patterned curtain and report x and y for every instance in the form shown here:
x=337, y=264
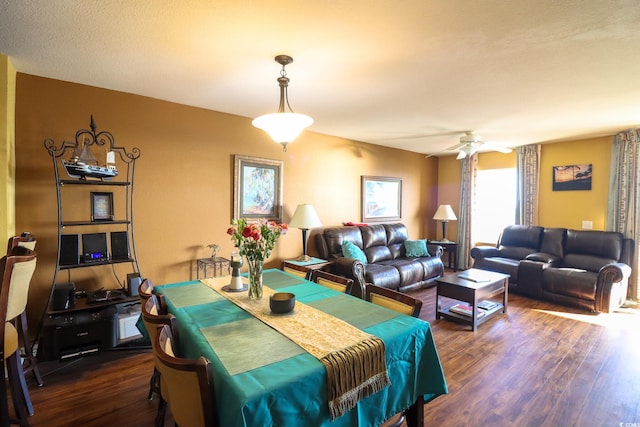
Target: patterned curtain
x=469, y=167
x=528, y=170
x=624, y=196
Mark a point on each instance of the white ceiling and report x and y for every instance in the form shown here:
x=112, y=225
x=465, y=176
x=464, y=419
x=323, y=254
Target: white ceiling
x=410, y=74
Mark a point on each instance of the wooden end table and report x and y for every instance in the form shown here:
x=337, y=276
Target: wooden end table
x=312, y=264
x=472, y=286
x=451, y=250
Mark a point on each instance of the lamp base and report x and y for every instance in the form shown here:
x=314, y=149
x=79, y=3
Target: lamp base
x=303, y=258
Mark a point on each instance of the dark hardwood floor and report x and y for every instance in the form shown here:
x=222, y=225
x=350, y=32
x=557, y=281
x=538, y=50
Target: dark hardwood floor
x=540, y=365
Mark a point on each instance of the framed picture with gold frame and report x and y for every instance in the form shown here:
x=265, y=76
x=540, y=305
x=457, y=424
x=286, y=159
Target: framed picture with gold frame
x=257, y=188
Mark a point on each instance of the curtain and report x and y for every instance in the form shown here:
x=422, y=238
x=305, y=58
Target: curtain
x=528, y=170
x=624, y=196
x=469, y=167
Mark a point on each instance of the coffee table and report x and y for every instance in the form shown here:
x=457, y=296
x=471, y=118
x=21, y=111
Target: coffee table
x=472, y=286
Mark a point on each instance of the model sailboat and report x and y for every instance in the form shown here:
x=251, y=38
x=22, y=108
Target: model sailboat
x=83, y=164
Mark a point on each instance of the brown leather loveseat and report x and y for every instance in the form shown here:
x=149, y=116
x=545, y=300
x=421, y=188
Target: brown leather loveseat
x=387, y=264
x=582, y=268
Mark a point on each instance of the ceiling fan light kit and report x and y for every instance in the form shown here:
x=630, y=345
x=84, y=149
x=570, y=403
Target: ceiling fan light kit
x=283, y=127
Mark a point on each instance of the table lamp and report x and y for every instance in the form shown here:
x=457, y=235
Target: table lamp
x=236, y=263
x=444, y=214
x=304, y=218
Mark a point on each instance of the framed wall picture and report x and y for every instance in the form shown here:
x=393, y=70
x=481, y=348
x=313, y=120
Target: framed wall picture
x=381, y=198
x=257, y=188
x=572, y=177
x=101, y=206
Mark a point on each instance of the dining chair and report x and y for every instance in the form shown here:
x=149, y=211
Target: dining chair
x=145, y=289
x=155, y=315
x=393, y=300
x=396, y=301
x=186, y=384
x=332, y=281
x=296, y=270
x=23, y=245
x=17, y=271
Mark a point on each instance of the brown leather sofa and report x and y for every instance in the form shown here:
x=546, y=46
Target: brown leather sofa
x=581, y=268
x=387, y=264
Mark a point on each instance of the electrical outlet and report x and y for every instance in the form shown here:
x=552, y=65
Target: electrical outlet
x=587, y=225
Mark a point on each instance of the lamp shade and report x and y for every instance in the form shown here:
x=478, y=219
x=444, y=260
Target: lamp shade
x=283, y=128
x=305, y=217
x=445, y=213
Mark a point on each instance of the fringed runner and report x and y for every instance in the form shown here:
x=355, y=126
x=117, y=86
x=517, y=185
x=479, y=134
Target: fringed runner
x=354, y=360
x=347, y=386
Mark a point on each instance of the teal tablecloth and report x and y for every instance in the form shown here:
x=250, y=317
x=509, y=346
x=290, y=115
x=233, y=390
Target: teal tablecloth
x=262, y=379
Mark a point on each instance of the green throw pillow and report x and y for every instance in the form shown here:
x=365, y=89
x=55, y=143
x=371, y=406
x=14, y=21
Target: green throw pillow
x=416, y=248
x=350, y=250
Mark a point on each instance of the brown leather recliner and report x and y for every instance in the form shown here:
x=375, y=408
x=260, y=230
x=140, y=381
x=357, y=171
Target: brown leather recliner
x=582, y=268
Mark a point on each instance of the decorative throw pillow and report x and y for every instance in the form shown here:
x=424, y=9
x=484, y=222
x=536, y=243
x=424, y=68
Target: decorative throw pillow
x=350, y=250
x=416, y=248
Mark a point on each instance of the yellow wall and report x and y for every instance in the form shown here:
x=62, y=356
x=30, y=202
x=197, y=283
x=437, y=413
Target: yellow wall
x=183, y=194
x=569, y=208
x=7, y=142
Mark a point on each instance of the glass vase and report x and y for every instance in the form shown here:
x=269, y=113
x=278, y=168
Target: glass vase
x=255, y=278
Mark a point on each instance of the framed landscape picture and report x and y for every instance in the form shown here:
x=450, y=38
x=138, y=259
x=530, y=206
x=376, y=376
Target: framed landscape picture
x=381, y=198
x=572, y=177
x=257, y=188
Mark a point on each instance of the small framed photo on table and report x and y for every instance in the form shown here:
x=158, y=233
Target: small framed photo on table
x=101, y=206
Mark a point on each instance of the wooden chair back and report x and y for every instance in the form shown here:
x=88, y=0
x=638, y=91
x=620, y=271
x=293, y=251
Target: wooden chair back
x=186, y=383
x=332, y=281
x=393, y=300
x=145, y=289
x=296, y=270
x=156, y=315
x=16, y=271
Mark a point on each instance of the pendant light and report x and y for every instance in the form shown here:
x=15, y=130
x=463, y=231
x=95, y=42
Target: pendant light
x=283, y=127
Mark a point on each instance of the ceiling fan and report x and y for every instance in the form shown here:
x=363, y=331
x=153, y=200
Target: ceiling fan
x=471, y=143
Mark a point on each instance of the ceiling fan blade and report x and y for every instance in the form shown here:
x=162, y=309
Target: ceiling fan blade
x=497, y=148
x=452, y=148
x=456, y=147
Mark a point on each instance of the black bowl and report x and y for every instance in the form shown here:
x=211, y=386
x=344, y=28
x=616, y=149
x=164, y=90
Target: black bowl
x=282, y=302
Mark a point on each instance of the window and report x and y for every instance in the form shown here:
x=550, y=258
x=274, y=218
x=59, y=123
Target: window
x=495, y=203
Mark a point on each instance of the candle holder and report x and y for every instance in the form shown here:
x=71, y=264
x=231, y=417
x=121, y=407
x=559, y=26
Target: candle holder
x=236, y=284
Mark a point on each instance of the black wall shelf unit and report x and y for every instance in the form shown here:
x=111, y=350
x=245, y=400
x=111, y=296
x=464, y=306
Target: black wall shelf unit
x=77, y=169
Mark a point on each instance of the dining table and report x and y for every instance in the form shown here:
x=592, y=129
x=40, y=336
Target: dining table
x=261, y=377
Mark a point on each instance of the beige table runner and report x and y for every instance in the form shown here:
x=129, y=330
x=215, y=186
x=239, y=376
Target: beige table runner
x=354, y=360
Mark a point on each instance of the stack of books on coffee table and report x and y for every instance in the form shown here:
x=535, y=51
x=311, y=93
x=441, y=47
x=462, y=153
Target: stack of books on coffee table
x=464, y=309
x=484, y=307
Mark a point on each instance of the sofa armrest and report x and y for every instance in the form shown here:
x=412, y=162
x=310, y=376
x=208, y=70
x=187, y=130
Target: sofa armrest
x=550, y=259
x=479, y=252
x=435, y=250
x=611, y=287
x=353, y=269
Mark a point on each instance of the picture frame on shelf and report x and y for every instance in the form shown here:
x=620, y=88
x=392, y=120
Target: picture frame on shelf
x=257, y=188
x=102, y=206
x=381, y=198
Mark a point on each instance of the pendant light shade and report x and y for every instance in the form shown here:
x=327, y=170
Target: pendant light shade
x=283, y=127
